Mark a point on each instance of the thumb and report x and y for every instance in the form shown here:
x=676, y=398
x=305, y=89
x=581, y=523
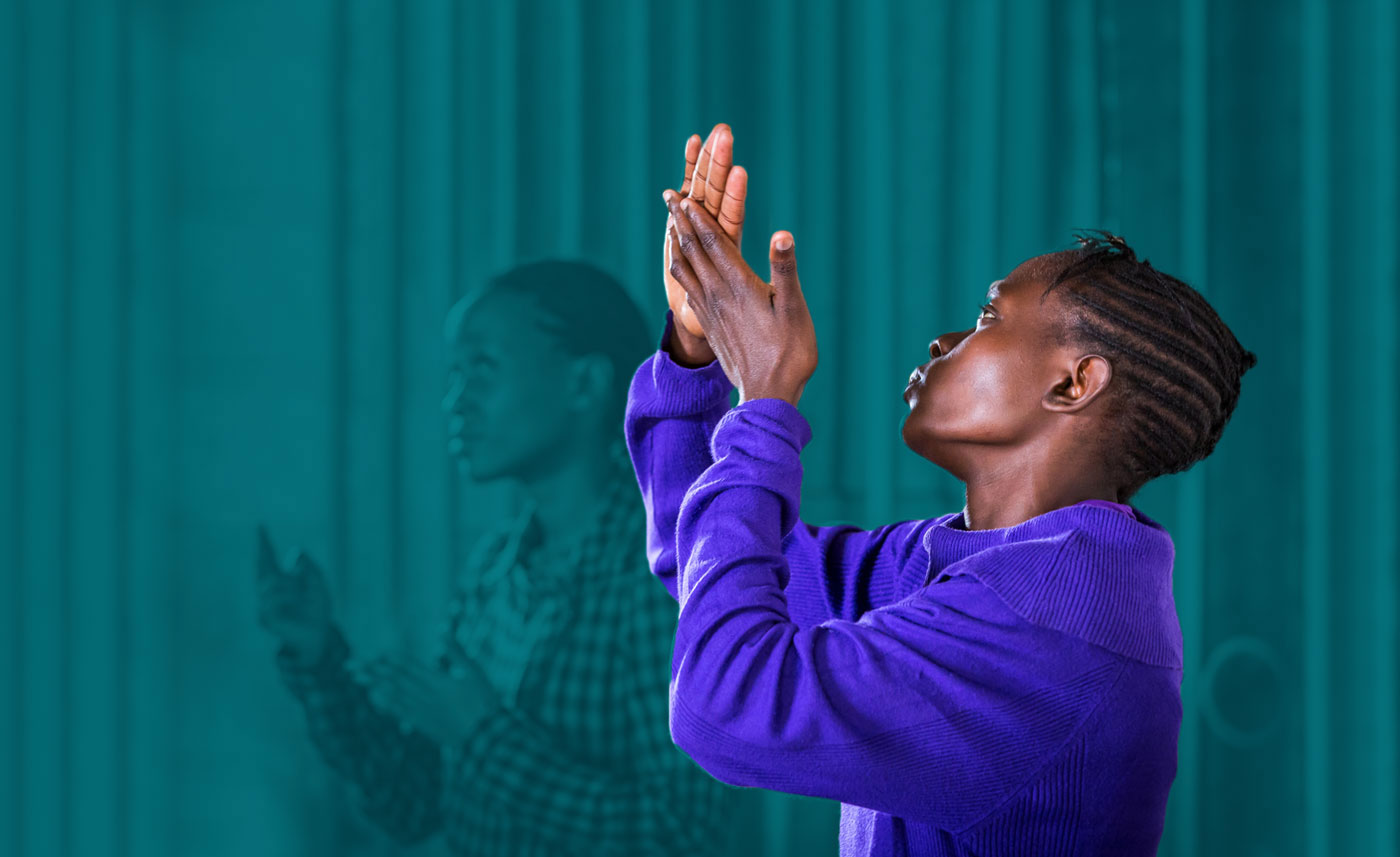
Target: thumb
x=782, y=263
x=267, y=555
x=306, y=567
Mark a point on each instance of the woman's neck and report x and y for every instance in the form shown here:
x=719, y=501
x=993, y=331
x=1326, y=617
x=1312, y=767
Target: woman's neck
x=566, y=498
x=1005, y=502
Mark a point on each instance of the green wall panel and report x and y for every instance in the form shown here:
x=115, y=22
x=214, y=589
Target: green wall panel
x=230, y=231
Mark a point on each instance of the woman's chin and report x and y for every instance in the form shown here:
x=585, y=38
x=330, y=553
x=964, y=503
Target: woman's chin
x=909, y=431
x=473, y=467
x=920, y=438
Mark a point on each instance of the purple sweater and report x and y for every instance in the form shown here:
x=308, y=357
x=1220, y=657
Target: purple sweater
x=1012, y=690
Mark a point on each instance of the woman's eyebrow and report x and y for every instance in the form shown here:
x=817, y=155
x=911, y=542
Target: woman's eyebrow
x=993, y=292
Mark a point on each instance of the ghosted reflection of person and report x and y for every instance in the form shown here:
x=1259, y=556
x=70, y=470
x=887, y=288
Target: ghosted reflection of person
x=542, y=728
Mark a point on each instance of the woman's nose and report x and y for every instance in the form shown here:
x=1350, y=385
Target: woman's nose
x=453, y=398
x=945, y=343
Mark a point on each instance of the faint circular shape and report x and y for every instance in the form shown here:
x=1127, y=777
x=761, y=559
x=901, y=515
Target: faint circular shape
x=1242, y=691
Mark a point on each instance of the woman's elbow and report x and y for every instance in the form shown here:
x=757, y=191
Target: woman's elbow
x=713, y=763
x=717, y=753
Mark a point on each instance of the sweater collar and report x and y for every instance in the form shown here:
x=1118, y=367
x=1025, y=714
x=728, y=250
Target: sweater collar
x=1084, y=569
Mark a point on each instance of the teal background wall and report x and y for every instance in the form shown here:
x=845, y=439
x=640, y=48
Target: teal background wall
x=229, y=230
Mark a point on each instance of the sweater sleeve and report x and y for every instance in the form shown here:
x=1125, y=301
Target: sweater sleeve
x=399, y=774
x=672, y=411
x=935, y=708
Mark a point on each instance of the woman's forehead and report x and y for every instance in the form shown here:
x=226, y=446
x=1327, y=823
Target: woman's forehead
x=498, y=314
x=1033, y=269
x=1021, y=297
x=1027, y=279
x=501, y=323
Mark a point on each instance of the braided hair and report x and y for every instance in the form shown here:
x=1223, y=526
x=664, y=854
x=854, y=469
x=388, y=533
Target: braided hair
x=1180, y=364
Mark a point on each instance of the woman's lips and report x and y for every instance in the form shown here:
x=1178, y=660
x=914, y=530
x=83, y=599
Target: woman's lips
x=463, y=430
x=460, y=443
x=916, y=379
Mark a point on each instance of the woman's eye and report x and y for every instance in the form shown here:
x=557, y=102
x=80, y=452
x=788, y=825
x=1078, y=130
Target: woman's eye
x=983, y=309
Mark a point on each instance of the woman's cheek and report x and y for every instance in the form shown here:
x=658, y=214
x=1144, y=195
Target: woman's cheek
x=985, y=402
x=538, y=421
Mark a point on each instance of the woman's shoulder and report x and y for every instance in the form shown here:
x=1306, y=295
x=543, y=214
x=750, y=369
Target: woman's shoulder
x=1092, y=573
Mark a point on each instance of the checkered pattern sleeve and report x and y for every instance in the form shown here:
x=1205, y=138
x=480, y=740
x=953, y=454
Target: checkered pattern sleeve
x=398, y=774
x=662, y=803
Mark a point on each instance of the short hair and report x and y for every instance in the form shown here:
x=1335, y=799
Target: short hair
x=1180, y=364
x=585, y=310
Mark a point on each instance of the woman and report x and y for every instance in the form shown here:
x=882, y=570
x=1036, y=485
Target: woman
x=1001, y=679
x=542, y=727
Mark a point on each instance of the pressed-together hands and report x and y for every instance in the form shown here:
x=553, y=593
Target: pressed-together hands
x=444, y=706
x=761, y=333
x=294, y=605
x=711, y=178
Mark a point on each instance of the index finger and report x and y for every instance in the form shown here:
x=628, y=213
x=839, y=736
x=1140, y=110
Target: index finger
x=716, y=167
x=418, y=670
x=267, y=555
x=716, y=244
x=692, y=155
x=702, y=166
x=731, y=212
x=384, y=670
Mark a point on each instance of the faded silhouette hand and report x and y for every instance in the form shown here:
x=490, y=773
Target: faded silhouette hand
x=294, y=605
x=443, y=706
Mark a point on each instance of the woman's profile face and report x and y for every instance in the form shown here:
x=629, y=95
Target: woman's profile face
x=503, y=418
x=983, y=386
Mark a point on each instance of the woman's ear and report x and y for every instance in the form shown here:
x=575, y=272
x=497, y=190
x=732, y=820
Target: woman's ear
x=589, y=381
x=1082, y=382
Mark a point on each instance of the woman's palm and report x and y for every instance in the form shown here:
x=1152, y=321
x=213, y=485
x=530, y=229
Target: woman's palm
x=712, y=178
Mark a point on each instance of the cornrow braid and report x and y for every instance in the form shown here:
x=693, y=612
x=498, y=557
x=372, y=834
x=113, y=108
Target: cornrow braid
x=1180, y=364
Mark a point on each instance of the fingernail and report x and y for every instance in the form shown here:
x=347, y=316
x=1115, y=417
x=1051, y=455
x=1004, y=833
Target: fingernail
x=784, y=245
x=666, y=196
x=686, y=204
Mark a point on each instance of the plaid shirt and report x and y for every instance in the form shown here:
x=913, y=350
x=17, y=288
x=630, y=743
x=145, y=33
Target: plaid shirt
x=579, y=760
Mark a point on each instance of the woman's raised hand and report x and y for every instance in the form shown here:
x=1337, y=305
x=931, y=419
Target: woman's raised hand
x=712, y=179
x=761, y=332
x=445, y=707
x=294, y=604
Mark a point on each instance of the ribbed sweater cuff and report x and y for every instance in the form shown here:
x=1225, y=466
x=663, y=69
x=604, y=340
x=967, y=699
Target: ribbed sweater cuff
x=681, y=391
x=778, y=419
